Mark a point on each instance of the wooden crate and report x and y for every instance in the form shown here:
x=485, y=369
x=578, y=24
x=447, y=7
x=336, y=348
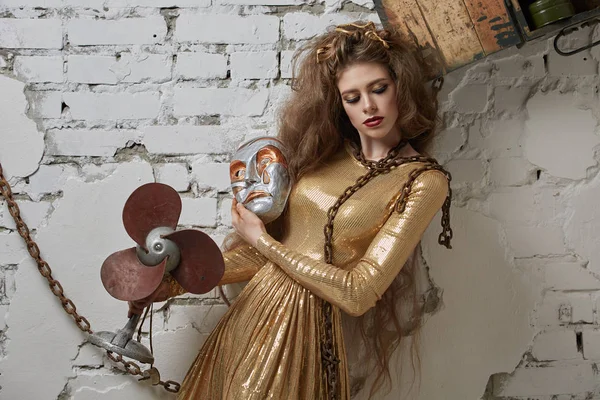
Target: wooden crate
x=452, y=33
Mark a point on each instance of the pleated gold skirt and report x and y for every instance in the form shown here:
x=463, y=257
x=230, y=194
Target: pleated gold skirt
x=267, y=346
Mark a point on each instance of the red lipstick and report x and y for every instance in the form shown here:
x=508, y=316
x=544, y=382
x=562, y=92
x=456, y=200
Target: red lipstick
x=373, y=121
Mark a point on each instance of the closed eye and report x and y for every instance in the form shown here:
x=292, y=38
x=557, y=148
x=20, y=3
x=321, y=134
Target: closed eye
x=380, y=90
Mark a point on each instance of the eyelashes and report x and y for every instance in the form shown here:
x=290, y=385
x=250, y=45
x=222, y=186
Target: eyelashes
x=378, y=90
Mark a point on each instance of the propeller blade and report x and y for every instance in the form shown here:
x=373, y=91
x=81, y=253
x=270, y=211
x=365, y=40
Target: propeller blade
x=201, y=266
x=150, y=206
x=125, y=278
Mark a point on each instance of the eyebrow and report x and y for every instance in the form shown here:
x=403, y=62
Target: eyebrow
x=369, y=85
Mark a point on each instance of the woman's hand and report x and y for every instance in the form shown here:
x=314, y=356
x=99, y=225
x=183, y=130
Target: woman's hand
x=246, y=223
x=160, y=294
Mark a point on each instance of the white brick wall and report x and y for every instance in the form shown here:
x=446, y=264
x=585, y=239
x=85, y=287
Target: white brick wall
x=39, y=69
x=124, y=92
x=257, y=29
x=112, y=106
x=174, y=175
x=254, y=65
x=30, y=33
x=124, y=68
x=88, y=32
x=246, y=102
x=201, y=66
x=80, y=142
x=186, y=139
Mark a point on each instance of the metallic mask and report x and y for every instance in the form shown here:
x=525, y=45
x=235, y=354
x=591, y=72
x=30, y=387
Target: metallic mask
x=259, y=177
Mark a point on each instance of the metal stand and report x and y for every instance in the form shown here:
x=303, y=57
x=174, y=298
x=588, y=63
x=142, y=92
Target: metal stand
x=122, y=343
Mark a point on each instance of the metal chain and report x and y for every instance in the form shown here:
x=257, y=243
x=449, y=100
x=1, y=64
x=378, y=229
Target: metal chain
x=330, y=359
x=57, y=289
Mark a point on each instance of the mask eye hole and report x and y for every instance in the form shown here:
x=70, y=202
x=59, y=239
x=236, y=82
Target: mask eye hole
x=267, y=155
x=237, y=171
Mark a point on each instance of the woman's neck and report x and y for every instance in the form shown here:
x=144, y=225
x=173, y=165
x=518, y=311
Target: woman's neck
x=376, y=149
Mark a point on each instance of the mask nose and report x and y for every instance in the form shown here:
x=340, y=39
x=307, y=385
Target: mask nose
x=252, y=172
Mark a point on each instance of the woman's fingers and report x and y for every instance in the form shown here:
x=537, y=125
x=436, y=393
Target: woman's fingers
x=235, y=216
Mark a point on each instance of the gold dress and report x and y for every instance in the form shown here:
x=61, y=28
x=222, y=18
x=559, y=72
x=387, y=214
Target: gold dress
x=267, y=345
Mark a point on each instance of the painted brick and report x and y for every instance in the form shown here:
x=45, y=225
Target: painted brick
x=201, y=66
x=45, y=104
x=33, y=213
x=524, y=205
x=39, y=68
x=551, y=380
x=127, y=68
x=49, y=179
x=257, y=29
x=502, y=140
x=198, y=212
x=33, y=3
x=512, y=171
x=225, y=212
x=111, y=106
x=213, y=175
x=82, y=142
x=570, y=276
x=12, y=249
x=215, y=101
x=175, y=175
x=557, y=345
x=510, y=99
x=576, y=65
x=448, y=141
x=519, y=66
x=153, y=3
x=560, y=308
x=173, y=140
x=203, y=320
x=286, y=63
x=470, y=98
x=260, y=2
x=591, y=344
x=254, y=65
x=30, y=33
x=87, y=32
x=301, y=25
x=529, y=241
x=466, y=171
x=562, y=155
x=89, y=356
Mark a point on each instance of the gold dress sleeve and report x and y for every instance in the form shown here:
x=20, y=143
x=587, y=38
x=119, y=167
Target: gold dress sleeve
x=356, y=290
x=241, y=264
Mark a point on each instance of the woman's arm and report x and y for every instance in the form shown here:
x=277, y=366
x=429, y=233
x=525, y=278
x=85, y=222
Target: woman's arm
x=357, y=290
x=241, y=264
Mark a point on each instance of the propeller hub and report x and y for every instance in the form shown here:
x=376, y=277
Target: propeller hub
x=159, y=248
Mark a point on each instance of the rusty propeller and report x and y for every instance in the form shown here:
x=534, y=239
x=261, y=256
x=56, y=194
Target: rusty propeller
x=152, y=211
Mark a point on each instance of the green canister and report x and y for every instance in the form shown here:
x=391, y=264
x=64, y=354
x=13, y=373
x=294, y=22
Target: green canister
x=544, y=12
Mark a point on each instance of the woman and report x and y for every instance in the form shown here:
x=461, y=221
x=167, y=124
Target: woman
x=353, y=128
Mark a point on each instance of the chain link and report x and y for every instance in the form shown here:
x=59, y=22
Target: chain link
x=33, y=249
x=57, y=289
x=383, y=166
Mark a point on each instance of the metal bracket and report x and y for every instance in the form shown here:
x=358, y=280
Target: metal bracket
x=567, y=30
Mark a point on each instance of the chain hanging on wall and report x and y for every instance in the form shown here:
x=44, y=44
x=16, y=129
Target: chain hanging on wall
x=56, y=288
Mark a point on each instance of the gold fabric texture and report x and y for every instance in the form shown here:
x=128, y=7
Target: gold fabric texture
x=241, y=264
x=267, y=345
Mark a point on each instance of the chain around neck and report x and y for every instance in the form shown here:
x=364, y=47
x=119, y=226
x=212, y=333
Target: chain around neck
x=381, y=164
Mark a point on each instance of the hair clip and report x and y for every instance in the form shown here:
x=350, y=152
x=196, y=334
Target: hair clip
x=371, y=33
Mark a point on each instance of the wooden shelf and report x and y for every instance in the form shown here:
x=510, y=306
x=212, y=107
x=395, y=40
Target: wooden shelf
x=522, y=21
x=454, y=33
